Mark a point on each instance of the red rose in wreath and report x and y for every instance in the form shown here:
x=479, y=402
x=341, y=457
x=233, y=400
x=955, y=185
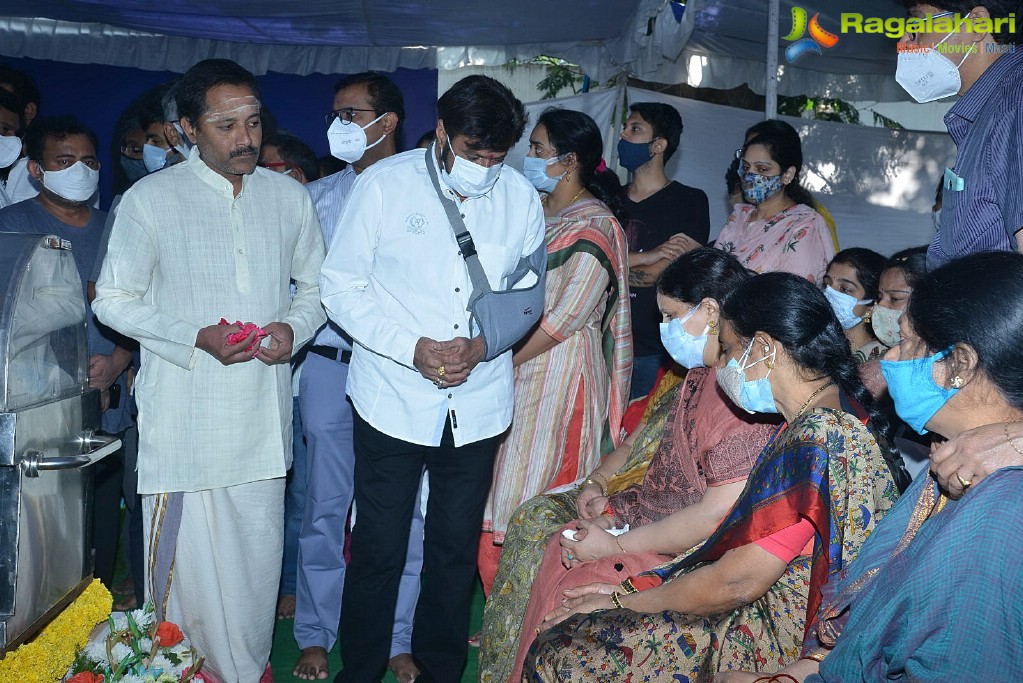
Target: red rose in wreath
x=168, y=634
x=86, y=677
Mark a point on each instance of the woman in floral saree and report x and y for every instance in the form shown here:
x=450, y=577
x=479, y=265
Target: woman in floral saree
x=745, y=598
x=708, y=448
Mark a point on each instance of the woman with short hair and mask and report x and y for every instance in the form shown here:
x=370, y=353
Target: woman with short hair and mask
x=850, y=286
x=776, y=228
x=572, y=371
x=746, y=597
x=707, y=447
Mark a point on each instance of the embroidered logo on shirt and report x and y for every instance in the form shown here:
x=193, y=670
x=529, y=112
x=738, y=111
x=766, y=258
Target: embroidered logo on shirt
x=416, y=224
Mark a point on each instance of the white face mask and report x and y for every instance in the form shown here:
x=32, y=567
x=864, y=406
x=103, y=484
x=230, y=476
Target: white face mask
x=75, y=183
x=929, y=75
x=469, y=179
x=10, y=149
x=348, y=140
x=153, y=157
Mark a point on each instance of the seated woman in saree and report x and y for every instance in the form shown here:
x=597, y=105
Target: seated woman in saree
x=693, y=480
x=572, y=372
x=934, y=594
x=745, y=598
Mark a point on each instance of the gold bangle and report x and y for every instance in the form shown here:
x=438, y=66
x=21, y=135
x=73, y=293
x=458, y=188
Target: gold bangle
x=1009, y=439
x=616, y=600
x=817, y=656
x=627, y=587
x=590, y=480
x=620, y=546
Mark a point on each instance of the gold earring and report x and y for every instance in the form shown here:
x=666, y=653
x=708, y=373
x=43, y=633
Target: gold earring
x=957, y=382
x=712, y=327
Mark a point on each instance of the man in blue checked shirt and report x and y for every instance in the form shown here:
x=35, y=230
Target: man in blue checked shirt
x=982, y=61
x=364, y=126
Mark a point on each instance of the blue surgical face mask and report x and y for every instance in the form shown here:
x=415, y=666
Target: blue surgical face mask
x=911, y=384
x=684, y=348
x=843, y=304
x=535, y=170
x=757, y=188
x=752, y=396
x=632, y=155
x=154, y=157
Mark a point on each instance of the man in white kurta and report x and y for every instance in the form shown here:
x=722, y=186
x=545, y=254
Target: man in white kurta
x=215, y=418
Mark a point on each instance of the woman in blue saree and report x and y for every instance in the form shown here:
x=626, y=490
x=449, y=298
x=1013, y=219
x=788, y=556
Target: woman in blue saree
x=935, y=592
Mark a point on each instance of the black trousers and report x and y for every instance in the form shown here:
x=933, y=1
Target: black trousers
x=387, y=473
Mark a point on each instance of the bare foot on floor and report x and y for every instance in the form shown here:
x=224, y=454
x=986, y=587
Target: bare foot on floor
x=403, y=667
x=286, y=607
x=312, y=664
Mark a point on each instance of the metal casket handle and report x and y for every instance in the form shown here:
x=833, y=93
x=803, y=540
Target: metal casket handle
x=35, y=462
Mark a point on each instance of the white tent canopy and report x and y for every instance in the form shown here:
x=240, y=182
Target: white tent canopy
x=716, y=43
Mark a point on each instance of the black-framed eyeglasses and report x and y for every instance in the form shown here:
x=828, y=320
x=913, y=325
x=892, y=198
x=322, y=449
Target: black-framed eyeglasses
x=346, y=114
x=913, y=35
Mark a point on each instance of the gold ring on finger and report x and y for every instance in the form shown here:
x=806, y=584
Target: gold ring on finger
x=440, y=371
x=965, y=483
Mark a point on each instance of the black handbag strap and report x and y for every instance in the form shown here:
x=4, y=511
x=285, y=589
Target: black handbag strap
x=480, y=284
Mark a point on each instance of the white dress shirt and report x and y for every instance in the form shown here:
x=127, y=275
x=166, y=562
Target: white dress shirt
x=173, y=267
x=394, y=274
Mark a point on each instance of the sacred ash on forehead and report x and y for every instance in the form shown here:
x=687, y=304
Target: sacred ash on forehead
x=233, y=108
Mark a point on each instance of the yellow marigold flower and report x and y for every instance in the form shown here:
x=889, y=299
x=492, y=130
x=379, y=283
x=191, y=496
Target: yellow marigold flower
x=47, y=657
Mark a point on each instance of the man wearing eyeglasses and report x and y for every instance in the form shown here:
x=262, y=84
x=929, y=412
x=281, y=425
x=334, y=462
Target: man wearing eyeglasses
x=363, y=127
x=982, y=61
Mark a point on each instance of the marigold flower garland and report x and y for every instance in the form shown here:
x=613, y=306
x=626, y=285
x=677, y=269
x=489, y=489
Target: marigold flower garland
x=46, y=658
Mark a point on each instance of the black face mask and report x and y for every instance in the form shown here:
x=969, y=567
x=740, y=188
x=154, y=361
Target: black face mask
x=133, y=168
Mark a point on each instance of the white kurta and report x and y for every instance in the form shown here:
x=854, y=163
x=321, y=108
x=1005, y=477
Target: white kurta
x=184, y=252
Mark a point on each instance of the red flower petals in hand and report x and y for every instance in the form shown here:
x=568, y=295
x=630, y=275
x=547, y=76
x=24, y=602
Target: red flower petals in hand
x=247, y=329
x=168, y=634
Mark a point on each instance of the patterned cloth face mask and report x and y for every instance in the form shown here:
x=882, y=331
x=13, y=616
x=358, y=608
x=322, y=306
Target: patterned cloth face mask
x=757, y=188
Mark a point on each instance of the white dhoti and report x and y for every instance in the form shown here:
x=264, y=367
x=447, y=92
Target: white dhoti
x=219, y=580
